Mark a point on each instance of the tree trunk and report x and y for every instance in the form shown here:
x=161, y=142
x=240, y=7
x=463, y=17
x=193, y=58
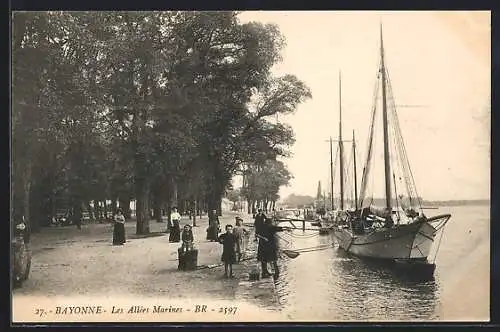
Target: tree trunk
x=77, y=212
x=157, y=207
x=215, y=200
x=91, y=211
x=194, y=211
x=142, y=209
x=113, y=205
x=175, y=198
x=125, y=206
x=168, y=204
x=97, y=209
x=169, y=211
x=199, y=207
x=105, y=207
x=102, y=212
x=32, y=224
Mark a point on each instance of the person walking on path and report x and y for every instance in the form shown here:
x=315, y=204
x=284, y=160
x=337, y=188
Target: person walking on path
x=213, y=226
x=240, y=232
x=119, y=228
x=228, y=241
x=267, y=251
x=175, y=231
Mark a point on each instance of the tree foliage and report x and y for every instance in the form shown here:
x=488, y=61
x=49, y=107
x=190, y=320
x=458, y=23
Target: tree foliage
x=263, y=182
x=142, y=105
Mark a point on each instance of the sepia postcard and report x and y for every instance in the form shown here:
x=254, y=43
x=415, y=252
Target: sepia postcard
x=250, y=166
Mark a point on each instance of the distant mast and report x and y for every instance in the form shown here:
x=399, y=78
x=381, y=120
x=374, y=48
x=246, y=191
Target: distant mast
x=331, y=172
x=355, y=172
x=341, y=147
x=388, y=203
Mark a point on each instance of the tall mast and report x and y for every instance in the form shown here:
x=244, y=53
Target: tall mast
x=387, y=164
x=355, y=172
x=341, y=147
x=331, y=171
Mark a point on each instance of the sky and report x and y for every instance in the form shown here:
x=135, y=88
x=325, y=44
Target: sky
x=439, y=61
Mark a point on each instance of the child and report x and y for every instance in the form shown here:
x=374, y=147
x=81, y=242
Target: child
x=228, y=241
x=187, y=238
x=240, y=232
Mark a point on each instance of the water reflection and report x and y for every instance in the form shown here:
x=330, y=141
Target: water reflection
x=331, y=285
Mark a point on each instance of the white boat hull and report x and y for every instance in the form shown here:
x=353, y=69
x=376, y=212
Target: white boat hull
x=403, y=242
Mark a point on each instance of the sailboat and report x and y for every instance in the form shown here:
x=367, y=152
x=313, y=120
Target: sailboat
x=399, y=232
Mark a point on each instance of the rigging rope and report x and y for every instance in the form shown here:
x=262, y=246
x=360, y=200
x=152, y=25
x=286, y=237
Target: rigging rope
x=369, y=149
x=335, y=168
x=409, y=178
x=394, y=155
x=439, y=244
x=347, y=177
x=397, y=139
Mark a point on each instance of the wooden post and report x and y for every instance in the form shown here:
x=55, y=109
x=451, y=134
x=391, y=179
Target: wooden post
x=304, y=224
x=188, y=260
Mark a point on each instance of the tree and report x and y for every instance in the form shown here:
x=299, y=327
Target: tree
x=234, y=196
x=160, y=107
x=264, y=182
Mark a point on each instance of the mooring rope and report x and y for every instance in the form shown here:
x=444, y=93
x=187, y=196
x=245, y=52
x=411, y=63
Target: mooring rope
x=297, y=236
x=311, y=250
x=315, y=248
x=439, y=244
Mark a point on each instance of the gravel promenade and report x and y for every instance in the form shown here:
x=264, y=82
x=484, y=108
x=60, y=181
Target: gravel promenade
x=71, y=262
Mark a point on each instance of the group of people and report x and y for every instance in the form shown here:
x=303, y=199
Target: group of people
x=233, y=240
x=265, y=234
x=119, y=227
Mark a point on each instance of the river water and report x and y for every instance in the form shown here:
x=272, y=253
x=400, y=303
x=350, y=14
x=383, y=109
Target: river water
x=330, y=286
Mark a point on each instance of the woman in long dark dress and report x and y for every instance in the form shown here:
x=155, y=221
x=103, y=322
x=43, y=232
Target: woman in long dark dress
x=267, y=251
x=213, y=226
x=175, y=231
x=228, y=241
x=119, y=228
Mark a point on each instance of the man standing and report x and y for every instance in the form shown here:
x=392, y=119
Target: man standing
x=260, y=219
x=267, y=251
